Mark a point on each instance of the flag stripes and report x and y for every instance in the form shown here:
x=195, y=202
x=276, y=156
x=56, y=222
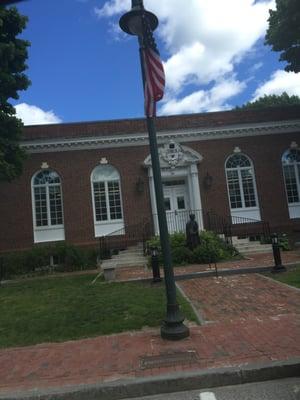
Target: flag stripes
x=154, y=76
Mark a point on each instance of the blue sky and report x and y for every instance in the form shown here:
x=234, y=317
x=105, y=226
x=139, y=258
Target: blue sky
x=83, y=68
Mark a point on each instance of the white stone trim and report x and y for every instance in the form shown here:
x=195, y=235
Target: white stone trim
x=109, y=226
x=185, y=167
x=48, y=233
x=141, y=139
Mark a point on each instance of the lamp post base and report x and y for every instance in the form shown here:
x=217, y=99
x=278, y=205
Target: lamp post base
x=173, y=327
x=278, y=268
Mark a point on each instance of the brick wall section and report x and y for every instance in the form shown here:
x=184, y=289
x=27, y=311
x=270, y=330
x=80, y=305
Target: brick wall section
x=119, y=127
x=75, y=170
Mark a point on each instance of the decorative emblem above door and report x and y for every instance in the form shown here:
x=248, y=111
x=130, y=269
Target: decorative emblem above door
x=173, y=155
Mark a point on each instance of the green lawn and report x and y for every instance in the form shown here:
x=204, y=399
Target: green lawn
x=65, y=308
x=290, y=277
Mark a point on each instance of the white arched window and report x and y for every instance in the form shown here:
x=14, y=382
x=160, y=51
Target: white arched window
x=291, y=172
x=107, y=201
x=241, y=187
x=47, y=206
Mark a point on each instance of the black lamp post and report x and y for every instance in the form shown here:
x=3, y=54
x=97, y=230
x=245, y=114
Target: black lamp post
x=172, y=327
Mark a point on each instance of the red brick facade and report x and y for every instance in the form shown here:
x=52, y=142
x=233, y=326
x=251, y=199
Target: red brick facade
x=75, y=166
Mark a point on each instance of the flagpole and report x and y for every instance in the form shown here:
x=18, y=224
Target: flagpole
x=172, y=327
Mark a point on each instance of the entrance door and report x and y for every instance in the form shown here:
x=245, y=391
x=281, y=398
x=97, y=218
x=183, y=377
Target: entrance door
x=176, y=205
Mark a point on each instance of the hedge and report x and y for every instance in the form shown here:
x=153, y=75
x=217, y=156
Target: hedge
x=36, y=261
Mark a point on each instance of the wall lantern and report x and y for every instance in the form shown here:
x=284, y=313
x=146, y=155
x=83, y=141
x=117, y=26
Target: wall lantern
x=207, y=181
x=139, y=186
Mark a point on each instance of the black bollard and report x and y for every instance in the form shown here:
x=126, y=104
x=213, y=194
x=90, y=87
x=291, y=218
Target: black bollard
x=155, y=265
x=278, y=267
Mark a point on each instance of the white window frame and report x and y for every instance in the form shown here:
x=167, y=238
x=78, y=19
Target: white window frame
x=252, y=212
x=294, y=207
x=49, y=232
x=106, y=227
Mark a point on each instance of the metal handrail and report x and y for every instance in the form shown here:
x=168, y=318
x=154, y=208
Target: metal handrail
x=228, y=225
x=121, y=238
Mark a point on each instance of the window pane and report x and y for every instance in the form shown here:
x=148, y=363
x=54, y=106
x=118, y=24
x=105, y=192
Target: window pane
x=47, y=176
x=104, y=173
x=55, y=205
x=174, y=183
x=234, y=189
x=114, y=200
x=291, y=156
x=248, y=187
x=238, y=160
x=167, y=204
x=100, y=201
x=180, y=203
x=291, y=183
x=40, y=202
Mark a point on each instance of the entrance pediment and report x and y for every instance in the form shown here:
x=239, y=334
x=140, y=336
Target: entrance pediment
x=173, y=155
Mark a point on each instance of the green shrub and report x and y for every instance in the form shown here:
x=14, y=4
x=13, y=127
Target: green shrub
x=284, y=243
x=211, y=249
x=178, y=239
x=36, y=261
x=182, y=255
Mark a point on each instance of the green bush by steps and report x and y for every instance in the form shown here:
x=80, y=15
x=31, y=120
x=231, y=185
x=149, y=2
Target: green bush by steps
x=212, y=249
x=37, y=261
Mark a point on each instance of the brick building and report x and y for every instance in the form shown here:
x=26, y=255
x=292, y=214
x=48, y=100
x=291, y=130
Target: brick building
x=87, y=180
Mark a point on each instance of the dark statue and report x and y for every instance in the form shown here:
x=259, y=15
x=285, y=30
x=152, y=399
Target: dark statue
x=192, y=233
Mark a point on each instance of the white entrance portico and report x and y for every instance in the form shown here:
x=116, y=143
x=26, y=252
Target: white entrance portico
x=179, y=171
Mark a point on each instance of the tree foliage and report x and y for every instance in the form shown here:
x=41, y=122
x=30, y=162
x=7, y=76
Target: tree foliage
x=283, y=33
x=272, y=101
x=13, y=55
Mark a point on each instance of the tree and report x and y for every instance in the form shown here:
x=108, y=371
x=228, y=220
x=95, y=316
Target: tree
x=13, y=54
x=272, y=100
x=283, y=33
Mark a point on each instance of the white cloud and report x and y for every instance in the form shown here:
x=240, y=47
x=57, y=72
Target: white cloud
x=204, y=39
x=280, y=81
x=201, y=100
x=112, y=8
x=33, y=115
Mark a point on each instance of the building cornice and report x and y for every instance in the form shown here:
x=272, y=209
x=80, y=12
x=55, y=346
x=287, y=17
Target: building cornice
x=141, y=139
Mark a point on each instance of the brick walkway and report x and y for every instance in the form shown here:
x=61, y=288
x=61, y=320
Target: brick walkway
x=240, y=297
x=253, y=260
x=249, y=319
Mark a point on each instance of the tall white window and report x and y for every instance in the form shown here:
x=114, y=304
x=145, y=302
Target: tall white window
x=241, y=187
x=47, y=206
x=291, y=172
x=107, y=201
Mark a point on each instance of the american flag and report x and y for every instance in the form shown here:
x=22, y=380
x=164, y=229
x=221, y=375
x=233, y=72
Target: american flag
x=154, y=76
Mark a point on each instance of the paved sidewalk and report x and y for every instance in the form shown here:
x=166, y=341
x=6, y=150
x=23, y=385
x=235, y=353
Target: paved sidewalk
x=247, y=319
x=250, y=261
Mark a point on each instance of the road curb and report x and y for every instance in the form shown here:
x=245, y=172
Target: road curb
x=176, y=382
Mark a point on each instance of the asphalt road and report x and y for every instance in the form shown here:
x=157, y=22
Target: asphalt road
x=284, y=389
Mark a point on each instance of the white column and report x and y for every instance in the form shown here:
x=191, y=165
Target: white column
x=196, y=194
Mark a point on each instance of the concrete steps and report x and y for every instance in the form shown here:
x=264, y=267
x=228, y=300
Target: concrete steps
x=245, y=246
x=131, y=257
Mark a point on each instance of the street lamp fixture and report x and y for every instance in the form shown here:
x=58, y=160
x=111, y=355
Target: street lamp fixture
x=133, y=23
